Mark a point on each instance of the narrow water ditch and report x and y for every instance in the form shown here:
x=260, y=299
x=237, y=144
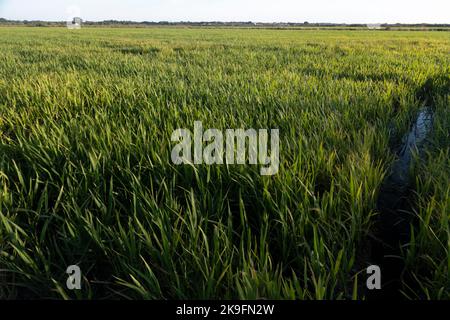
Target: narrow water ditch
x=396, y=211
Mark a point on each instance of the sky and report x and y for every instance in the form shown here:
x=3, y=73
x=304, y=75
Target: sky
x=338, y=11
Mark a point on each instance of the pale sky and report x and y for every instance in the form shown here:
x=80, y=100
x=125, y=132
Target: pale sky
x=348, y=11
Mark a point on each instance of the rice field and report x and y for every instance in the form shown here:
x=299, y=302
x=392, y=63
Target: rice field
x=86, y=178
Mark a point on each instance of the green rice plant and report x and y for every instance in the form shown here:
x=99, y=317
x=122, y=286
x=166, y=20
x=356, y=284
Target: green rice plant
x=86, y=177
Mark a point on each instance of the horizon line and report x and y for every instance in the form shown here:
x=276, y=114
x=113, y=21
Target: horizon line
x=234, y=21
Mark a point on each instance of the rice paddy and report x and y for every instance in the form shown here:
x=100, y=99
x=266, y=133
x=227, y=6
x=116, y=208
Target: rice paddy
x=86, y=177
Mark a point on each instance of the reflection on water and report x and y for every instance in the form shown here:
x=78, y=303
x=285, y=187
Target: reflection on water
x=412, y=142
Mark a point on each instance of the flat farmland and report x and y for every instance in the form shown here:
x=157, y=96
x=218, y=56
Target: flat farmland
x=86, y=176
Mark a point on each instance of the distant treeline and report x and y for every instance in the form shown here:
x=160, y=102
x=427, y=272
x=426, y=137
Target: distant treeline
x=248, y=24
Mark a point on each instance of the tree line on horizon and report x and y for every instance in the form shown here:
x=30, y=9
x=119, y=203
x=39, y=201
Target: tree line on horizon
x=41, y=23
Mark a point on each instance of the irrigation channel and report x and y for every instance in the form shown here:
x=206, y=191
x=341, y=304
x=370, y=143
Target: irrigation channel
x=396, y=212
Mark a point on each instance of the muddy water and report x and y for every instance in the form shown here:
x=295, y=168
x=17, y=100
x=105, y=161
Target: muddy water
x=396, y=210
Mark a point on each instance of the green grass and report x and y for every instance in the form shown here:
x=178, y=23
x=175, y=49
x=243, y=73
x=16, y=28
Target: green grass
x=86, y=177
